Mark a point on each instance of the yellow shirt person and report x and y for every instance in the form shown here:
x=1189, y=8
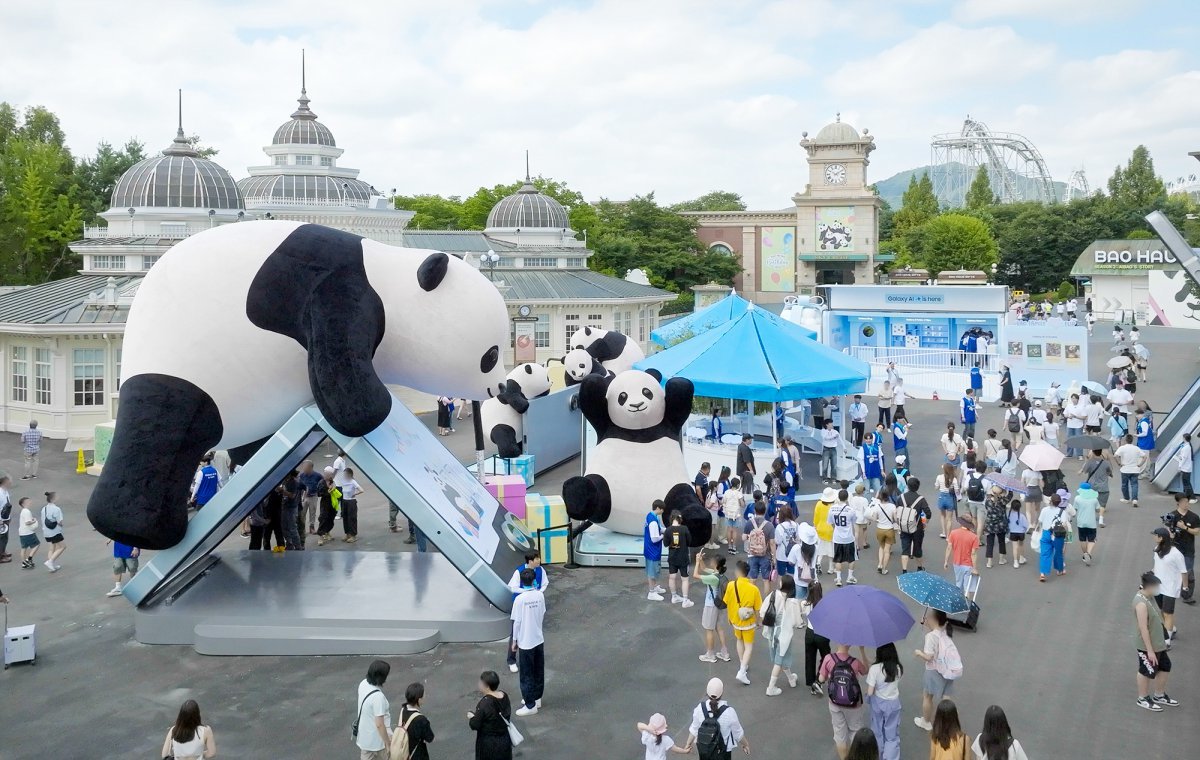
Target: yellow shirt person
x=742, y=594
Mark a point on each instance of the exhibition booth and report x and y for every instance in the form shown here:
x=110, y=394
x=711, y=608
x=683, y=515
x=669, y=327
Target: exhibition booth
x=1142, y=280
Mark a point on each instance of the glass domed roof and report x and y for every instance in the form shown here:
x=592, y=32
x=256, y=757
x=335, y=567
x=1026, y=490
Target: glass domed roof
x=178, y=178
x=306, y=188
x=528, y=209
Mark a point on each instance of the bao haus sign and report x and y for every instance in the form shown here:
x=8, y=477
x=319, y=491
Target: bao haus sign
x=1151, y=255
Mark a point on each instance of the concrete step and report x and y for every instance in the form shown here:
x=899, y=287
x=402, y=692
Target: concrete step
x=306, y=639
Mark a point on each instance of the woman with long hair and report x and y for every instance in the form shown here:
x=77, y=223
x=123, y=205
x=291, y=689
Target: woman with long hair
x=996, y=741
x=947, y=740
x=189, y=738
x=863, y=746
x=947, y=496
x=788, y=616
x=883, y=695
x=1007, y=458
x=816, y=646
x=934, y=686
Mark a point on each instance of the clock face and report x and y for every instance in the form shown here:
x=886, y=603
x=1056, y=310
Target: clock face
x=524, y=311
x=835, y=174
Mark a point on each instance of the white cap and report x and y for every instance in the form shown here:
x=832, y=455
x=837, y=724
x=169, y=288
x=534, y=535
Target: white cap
x=715, y=688
x=901, y=458
x=328, y=470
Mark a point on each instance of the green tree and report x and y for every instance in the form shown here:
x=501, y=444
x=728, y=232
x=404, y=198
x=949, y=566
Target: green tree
x=96, y=177
x=1136, y=186
x=918, y=205
x=205, y=151
x=38, y=214
x=433, y=212
x=979, y=194
x=717, y=200
x=955, y=241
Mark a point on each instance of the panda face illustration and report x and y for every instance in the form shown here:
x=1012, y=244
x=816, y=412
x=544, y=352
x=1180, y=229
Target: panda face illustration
x=636, y=401
x=578, y=364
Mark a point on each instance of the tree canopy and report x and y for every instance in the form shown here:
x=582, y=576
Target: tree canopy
x=979, y=194
x=717, y=200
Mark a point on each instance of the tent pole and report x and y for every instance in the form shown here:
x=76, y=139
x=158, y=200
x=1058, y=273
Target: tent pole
x=774, y=430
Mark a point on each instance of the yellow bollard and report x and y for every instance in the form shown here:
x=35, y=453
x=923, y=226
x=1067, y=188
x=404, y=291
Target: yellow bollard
x=80, y=465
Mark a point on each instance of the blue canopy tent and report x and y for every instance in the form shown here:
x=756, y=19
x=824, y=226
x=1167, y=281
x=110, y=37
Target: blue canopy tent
x=728, y=308
x=759, y=357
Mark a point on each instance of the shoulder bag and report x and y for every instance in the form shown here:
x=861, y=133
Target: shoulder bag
x=514, y=736
x=358, y=715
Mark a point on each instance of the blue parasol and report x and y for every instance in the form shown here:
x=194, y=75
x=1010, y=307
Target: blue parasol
x=933, y=591
x=861, y=616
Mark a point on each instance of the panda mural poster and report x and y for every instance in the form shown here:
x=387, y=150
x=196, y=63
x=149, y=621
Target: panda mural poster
x=835, y=229
x=777, y=265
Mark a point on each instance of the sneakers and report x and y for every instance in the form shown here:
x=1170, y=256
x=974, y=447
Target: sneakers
x=115, y=591
x=1003, y=561
x=1135, y=504
x=26, y=564
x=1017, y=565
x=989, y=563
x=1124, y=501
x=723, y=656
x=525, y=712
x=884, y=571
x=512, y=668
x=742, y=677
x=350, y=539
x=839, y=580
x=1148, y=704
x=941, y=535
x=653, y=597
x=1024, y=560
x=852, y=580
x=687, y=603
x=51, y=566
x=1164, y=700
x=323, y=540
x=922, y=723
x=792, y=680
x=1087, y=559
x=815, y=690
x=659, y=589
x=708, y=657
x=676, y=599
x=774, y=691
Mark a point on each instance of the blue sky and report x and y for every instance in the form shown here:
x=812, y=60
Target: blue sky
x=619, y=97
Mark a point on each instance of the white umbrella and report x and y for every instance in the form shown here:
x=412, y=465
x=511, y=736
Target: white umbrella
x=1117, y=362
x=1041, y=456
x=1141, y=351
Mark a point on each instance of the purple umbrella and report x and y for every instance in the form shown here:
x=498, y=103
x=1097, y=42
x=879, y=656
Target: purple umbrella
x=861, y=616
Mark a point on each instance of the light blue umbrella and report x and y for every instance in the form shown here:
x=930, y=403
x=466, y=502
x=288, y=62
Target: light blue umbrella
x=727, y=309
x=934, y=591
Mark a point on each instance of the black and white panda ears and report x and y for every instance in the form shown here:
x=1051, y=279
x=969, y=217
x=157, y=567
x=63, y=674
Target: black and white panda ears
x=654, y=374
x=528, y=369
x=432, y=271
x=588, y=332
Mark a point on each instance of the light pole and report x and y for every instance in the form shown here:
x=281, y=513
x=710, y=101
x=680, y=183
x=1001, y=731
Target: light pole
x=491, y=259
x=212, y=212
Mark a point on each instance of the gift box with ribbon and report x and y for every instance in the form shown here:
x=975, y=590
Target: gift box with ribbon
x=523, y=466
x=509, y=490
x=543, y=512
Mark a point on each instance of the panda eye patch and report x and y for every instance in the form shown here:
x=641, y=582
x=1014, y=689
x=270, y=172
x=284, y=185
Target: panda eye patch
x=622, y=398
x=489, y=360
x=648, y=393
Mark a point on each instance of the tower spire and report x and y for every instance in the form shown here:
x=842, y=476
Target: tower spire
x=180, y=145
x=303, y=112
x=527, y=165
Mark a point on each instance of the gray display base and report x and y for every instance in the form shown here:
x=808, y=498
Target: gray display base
x=321, y=603
x=600, y=547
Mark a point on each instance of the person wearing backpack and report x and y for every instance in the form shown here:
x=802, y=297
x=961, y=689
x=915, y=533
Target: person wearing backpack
x=1054, y=523
x=943, y=666
x=787, y=535
x=413, y=734
x=715, y=584
x=911, y=517
x=715, y=730
x=976, y=495
x=839, y=674
x=742, y=603
x=760, y=546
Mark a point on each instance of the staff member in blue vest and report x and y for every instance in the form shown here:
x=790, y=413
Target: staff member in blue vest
x=870, y=461
x=715, y=428
x=900, y=436
x=652, y=544
x=1145, y=428
x=541, y=582
x=977, y=380
x=966, y=413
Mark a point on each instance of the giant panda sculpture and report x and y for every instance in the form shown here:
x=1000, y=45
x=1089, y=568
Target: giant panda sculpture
x=236, y=328
x=614, y=350
x=637, y=457
x=503, y=417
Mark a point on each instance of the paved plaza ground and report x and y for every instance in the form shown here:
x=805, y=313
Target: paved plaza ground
x=1057, y=656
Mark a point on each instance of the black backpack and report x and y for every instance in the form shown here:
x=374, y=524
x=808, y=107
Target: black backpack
x=710, y=742
x=719, y=594
x=1013, y=421
x=975, y=488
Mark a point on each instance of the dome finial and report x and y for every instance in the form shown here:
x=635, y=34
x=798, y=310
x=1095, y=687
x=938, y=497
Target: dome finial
x=838, y=116
x=527, y=165
x=180, y=145
x=303, y=112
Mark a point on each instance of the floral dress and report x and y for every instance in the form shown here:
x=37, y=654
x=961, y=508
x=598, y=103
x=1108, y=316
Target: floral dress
x=996, y=514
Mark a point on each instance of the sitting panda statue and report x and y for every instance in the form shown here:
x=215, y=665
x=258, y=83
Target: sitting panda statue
x=305, y=314
x=614, y=350
x=502, y=417
x=578, y=364
x=637, y=457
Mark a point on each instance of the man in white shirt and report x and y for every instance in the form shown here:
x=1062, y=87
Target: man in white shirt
x=898, y=399
x=1038, y=413
x=1120, y=398
x=351, y=490
x=830, y=440
x=1054, y=397
x=1132, y=461
x=1183, y=457
x=339, y=468
x=952, y=445
x=1092, y=414
x=528, y=615
x=842, y=518
x=374, y=716
x=27, y=526
x=858, y=412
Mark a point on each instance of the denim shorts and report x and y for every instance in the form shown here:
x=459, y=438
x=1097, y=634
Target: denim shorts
x=652, y=568
x=784, y=568
x=946, y=501
x=760, y=567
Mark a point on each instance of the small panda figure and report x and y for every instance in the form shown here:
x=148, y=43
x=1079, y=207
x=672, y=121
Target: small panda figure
x=637, y=457
x=612, y=349
x=502, y=416
x=578, y=364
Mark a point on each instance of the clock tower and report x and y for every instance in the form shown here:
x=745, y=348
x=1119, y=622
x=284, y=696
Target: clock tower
x=837, y=214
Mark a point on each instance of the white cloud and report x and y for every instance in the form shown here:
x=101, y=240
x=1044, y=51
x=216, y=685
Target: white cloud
x=940, y=62
x=1076, y=11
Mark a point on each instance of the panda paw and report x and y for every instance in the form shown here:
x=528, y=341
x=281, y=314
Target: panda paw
x=682, y=498
x=587, y=498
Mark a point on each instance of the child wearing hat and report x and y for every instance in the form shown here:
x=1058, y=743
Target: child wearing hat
x=824, y=529
x=655, y=739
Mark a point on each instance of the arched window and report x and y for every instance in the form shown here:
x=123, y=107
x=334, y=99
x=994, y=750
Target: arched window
x=720, y=248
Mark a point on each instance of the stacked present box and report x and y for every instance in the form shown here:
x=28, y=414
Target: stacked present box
x=543, y=512
x=523, y=466
x=510, y=491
